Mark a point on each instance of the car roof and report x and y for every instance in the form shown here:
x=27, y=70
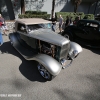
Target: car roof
x=93, y=21
x=32, y=21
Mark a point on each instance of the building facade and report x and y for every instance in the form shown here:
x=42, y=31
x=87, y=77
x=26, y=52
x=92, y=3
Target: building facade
x=10, y=9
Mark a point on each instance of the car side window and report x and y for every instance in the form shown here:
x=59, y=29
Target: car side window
x=93, y=26
x=81, y=24
x=21, y=27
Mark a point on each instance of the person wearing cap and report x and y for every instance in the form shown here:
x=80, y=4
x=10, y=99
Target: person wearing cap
x=3, y=24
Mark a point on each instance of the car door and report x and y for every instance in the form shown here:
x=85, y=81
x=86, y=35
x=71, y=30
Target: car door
x=95, y=34
x=92, y=30
x=80, y=32
x=87, y=32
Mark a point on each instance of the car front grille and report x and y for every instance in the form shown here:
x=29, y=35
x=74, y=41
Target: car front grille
x=64, y=51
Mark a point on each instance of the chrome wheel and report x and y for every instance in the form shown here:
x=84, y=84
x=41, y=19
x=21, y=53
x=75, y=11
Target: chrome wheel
x=45, y=74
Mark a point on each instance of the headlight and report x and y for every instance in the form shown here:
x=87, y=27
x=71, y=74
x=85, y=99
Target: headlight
x=63, y=62
x=73, y=54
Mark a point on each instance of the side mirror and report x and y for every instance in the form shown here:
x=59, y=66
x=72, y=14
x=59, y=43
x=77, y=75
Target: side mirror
x=22, y=28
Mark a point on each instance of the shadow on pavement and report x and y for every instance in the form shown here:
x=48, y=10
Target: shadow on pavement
x=27, y=68
x=94, y=50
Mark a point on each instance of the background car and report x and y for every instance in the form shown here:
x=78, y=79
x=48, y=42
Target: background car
x=34, y=40
x=86, y=32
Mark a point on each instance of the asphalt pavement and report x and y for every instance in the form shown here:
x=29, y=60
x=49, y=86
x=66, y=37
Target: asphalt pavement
x=20, y=79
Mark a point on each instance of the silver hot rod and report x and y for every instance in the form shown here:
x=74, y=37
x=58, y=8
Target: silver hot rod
x=34, y=40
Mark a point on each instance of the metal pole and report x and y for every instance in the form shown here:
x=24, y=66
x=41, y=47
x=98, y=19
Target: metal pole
x=89, y=8
x=95, y=6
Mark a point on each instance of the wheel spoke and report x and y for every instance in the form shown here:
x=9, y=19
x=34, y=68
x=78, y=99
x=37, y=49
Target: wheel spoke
x=40, y=68
x=42, y=73
x=46, y=75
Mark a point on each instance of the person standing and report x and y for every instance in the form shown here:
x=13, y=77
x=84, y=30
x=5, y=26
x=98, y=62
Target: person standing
x=76, y=20
x=60, y=23
x=53, y=23
x=67, y=23
x=71, y=21
x=1, y=38
x=3, y=24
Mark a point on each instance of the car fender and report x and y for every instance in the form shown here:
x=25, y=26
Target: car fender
x=74, y=48
x=52, y=65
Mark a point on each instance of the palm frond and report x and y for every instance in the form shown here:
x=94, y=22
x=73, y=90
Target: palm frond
x=60, y=2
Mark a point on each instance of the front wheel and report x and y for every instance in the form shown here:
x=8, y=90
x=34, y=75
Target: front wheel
x=43, y=71
x=68, y=35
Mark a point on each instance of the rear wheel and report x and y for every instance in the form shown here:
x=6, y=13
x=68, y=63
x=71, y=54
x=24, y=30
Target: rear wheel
x=44, y=72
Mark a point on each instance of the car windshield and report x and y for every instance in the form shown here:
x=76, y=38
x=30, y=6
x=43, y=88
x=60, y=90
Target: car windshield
x=38, y=26
x=46, y=25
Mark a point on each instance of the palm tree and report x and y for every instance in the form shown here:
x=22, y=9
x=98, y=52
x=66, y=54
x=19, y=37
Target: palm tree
x=76, y=4
x=96, y=6
x=22, y=6
x=58, y=2
x=53, y=7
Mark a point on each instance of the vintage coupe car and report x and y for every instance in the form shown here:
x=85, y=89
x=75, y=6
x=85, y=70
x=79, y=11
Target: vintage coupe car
x=86, y=32
x=34, y=40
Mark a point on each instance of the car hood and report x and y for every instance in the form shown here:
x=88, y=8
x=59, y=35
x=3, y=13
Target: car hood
x=49, y=36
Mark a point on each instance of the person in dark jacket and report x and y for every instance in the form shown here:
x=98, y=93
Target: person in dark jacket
x=53, y=23
x=67, y=23
x=71, y=21
x=76, y=20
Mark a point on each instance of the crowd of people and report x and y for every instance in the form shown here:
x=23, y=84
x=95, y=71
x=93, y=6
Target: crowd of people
x=62, y=24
